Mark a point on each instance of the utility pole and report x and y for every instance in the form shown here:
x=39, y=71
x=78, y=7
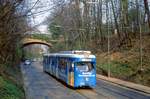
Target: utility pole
x=108, y=36
x=141, y=47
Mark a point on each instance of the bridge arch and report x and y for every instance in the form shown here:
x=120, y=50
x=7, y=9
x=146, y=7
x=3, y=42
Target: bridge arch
x=29, y=41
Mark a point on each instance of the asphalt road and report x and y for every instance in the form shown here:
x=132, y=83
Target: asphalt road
x=40, y=85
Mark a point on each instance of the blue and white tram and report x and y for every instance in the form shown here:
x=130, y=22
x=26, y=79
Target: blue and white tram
x=76, y=68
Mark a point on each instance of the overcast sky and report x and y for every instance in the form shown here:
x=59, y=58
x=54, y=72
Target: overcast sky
x=38, y=18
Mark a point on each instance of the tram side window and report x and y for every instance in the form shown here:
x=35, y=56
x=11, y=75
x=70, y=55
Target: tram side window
x=43, y=60
x=53, y=62
x=46, y=60
x=50, y=61
x=62, y=64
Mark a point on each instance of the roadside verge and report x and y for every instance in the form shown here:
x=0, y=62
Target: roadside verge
x=130, y=85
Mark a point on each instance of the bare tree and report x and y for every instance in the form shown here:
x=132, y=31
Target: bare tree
x=147, y=11
x=12, y=30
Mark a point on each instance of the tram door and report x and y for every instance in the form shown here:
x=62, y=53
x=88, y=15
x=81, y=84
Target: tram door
x=70, y=73
x=57, y=63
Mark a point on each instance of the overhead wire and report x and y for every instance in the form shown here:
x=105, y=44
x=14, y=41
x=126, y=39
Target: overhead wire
x=27, y=15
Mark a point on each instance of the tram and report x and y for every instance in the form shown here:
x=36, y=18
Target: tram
x=75, y=68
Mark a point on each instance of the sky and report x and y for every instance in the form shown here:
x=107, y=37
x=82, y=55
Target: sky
x=38, y=18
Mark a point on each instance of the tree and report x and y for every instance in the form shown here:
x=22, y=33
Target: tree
x=147, y=11
x=115, y=19
x=12, y=30
x=83, y=22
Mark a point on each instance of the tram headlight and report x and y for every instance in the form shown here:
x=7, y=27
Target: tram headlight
x=87, y=79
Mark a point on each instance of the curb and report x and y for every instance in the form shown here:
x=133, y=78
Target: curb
x=137, y=87
x=24, y=84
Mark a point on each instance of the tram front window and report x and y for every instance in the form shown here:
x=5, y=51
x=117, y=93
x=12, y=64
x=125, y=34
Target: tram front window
x=84, y=66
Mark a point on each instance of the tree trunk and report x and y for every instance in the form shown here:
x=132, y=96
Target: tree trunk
x=147, y=11
x=115, y=19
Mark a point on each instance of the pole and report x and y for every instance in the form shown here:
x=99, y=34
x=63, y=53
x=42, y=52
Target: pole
x=108, y=36
x=141, y=47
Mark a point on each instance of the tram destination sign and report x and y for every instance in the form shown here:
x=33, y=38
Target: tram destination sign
x=86, y=59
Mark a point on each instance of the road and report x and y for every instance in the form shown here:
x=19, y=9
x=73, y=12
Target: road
x=40, y=85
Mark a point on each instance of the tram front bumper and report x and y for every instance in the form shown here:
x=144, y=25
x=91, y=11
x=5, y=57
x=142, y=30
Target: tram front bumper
x=85, y=81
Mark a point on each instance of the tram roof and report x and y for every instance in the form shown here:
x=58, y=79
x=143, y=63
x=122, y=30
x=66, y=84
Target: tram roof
x=71, y=55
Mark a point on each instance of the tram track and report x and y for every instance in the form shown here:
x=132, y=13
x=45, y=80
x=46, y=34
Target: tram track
x=119, y=90
x=118, y=93
x=95, y=93
x=90, y=93
x=83, y=94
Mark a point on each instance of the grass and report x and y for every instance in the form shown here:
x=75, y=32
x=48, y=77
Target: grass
x=119, y=70
x=125, y=71
x=9, y=90
x=11, y=83
x=126, y=64
x=126, y=68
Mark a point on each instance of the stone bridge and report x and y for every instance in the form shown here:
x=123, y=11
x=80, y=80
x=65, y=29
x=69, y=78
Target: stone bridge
x=29, y=41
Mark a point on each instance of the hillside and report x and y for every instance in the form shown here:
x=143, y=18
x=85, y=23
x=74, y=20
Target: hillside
x=126, y=63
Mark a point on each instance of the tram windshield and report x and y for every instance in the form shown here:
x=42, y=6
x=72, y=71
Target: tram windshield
x=84, y=66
